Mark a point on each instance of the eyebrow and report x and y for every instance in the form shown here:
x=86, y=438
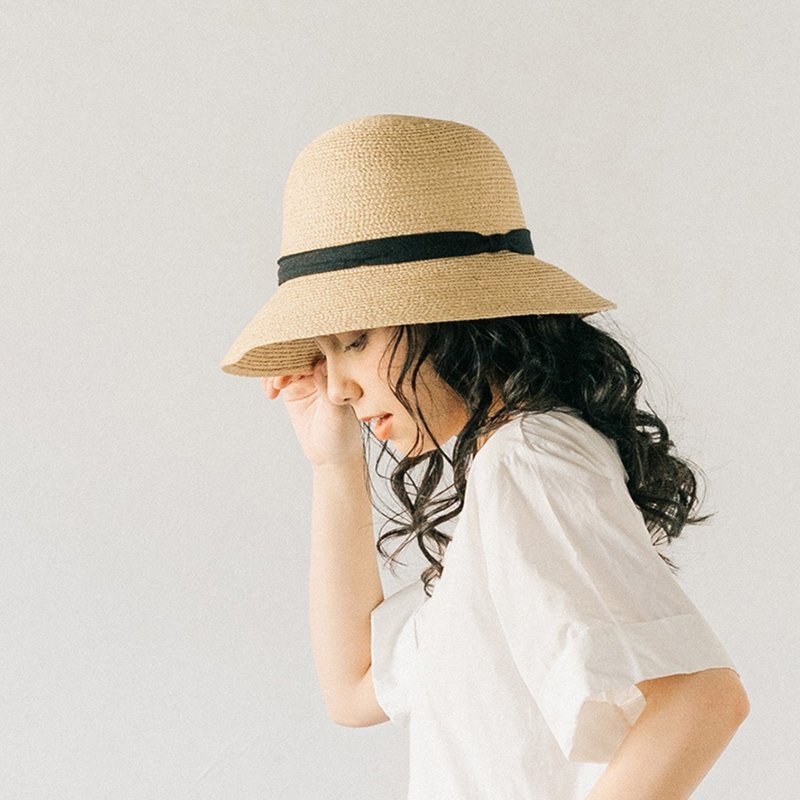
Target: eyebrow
x=332, y=337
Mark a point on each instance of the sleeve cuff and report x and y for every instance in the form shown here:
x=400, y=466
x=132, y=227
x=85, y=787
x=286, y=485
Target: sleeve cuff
x=393, y=650
x=589, y=698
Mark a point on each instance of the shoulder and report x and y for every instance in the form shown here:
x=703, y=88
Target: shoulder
x=554, y=441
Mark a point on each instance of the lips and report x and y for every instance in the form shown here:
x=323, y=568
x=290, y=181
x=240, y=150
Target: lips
x=382, y=426
x=375, y=417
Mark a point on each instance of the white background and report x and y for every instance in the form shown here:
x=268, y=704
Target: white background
x=155, y=511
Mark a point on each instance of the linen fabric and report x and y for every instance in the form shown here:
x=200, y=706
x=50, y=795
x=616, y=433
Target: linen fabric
x=516, y=679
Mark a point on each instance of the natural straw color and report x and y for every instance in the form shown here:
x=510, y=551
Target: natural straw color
x=392, y=175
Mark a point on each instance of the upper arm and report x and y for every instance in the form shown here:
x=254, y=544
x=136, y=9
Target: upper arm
x=363, y=709
x=721, y=685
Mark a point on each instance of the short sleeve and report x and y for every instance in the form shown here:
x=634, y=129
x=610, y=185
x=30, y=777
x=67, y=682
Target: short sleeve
x=585, y=602
x=394, y=650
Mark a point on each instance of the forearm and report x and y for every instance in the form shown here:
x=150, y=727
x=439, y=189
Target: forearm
x=344, y=582
x=669, y=750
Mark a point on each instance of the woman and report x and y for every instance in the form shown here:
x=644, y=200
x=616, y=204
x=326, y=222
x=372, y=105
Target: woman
x=548, y=651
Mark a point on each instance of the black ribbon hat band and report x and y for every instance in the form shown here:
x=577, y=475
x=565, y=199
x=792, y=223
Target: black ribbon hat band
x=398, y=249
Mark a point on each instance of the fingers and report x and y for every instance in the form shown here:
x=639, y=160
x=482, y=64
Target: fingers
x=272, y=384
x=267, y=384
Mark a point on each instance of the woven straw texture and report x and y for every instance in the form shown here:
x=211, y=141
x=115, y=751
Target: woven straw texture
x=390, y=175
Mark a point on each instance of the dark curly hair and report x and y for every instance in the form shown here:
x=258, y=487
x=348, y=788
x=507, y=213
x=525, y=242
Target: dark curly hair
x=535, y=363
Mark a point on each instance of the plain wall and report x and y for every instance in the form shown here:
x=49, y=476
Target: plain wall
x=155, y=511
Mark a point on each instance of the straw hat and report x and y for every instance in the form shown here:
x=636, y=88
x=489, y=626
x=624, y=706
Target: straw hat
x=393, y=220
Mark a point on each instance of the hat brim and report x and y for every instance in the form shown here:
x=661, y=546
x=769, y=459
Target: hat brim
x=278, y=339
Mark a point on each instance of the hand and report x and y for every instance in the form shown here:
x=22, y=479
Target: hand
x=328, y=433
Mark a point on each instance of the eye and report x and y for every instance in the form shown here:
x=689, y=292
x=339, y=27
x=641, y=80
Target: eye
x=358, y=344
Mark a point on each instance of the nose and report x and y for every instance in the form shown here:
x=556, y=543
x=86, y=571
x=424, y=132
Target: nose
x=340, y=389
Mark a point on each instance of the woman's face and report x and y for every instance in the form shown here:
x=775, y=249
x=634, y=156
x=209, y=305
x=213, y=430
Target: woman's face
x=357, y=363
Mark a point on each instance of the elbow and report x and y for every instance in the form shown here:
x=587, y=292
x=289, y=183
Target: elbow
x=734, y=707
x=338, y=715
x=742, y=705
x=341, y=721
x=737, y=698
x=350, y=721
x=348, y=715
x=341, y=715
x=719, y=693
x=358, y=708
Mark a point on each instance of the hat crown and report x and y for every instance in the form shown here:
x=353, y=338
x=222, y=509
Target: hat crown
x=392, y=175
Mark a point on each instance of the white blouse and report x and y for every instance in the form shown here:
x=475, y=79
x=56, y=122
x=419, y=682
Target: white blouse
x=516, y=678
